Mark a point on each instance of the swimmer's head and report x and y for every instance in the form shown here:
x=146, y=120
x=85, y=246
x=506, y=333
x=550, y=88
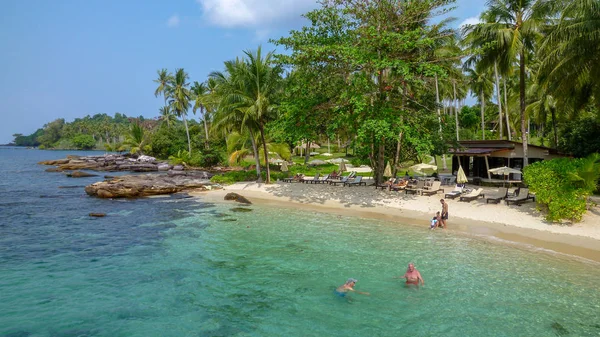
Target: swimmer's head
x=351, y=280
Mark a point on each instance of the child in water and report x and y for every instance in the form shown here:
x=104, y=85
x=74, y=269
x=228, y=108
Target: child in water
x=434, y=221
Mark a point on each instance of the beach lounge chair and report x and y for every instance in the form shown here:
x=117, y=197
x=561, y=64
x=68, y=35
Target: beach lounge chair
x=458, y=190
x=343, y=179
x=357, y=181
x=435, y=187
x=322, y=180
x=397, y=187
x=311, y=180
x=386, y=184
x=496, y=197
x=521, y=198
x=416, y=188
x=472, y=196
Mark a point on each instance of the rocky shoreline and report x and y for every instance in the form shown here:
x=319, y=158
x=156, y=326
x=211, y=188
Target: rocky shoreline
x=167, y=178
x=111, y=163
x=144, y=185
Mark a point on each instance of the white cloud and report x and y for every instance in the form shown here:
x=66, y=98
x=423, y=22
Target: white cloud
x=253, y=13
x=470, y=21
x=173, y=21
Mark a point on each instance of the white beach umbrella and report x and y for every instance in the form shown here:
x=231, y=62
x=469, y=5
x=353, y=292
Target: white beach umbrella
x=284, y=167
x=504, y=170
x=342, y=167
x=421, y=167
x=461, y=177
x=338, y=160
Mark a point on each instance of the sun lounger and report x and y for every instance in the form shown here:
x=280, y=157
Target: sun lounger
x=496, y=197
x=386, y=184
x=311, y=180
x=458, y=190
x=357, y=181
x=521, y=198
x=343, y=179
x=433, y=189
x=416, y=189
x=472, y=196
x=322, y=180
x=399, y=187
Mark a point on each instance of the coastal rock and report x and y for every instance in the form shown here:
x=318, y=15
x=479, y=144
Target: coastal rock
x=53, y=169
x=98, y=215
x=178, y=168
x=80, y=174
x=163, y=167
x=237, y=197
x=133, y=186
x=54, y=162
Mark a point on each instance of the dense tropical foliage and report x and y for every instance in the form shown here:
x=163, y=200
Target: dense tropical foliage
x=384, y=80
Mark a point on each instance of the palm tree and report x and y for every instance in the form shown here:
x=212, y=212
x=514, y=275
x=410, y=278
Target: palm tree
x=570, y=62
x=480, y=85
x=136, y=138
x=256, y=84
x=166, y=116
x=163, y=80
x=200, y=94
x=180, y=99
x=515, y=25
x=225, y=86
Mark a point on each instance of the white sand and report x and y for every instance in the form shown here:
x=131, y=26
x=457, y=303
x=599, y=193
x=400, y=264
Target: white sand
x=505, y=222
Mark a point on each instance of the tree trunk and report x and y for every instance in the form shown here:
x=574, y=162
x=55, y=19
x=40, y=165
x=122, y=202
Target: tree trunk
x=499, y=99
x=256, y=157
x=397, y=155
x=187, y=132
x=306, y=152
x=437, y=100
x=456, y=111
x=205, y=126
x=380, y=163
x=524, y=135
x=482, y=99
x=506, y=111
x=554, y=127
x=262, y=138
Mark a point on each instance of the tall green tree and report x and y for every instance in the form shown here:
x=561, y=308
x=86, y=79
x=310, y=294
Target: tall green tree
x=515, y=27
x=164, y=79
x=180, y=98
x=166, y=117
x=380, y=49
x=201, y=95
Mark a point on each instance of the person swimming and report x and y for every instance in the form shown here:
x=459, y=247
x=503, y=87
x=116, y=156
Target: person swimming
x=347, y=287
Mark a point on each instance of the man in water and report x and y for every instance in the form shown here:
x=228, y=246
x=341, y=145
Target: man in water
x=444, y=216
x=412, y=276
x=347, y=287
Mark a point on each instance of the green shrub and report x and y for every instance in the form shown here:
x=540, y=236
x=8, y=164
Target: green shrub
x=562, y=186
x=237, y=176
x=83, y=142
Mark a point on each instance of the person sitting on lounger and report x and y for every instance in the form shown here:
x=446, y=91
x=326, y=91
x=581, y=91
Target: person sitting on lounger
x=334, y=175
x=298, y=177
x=399, y=185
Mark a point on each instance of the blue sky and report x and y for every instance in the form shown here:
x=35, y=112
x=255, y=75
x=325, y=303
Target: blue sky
x=71, y=58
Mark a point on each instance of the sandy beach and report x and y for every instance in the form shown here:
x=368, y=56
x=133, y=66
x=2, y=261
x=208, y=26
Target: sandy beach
x=522, y=225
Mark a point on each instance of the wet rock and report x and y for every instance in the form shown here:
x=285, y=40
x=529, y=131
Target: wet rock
x=229, y=220
x=133, y=186
x=237, y=197
x=241, y=209
x=76, y=186
x=80, y=174
x=53, y=169
x=98, y=215
x=178, y=168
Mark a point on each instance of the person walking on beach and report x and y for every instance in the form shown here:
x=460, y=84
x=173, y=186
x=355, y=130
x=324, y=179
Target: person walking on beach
x=444, y=216
x=347, y=287
x=412, y=276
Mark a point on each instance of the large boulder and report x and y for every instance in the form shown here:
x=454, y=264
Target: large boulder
x=237, y=197
x=132, y=186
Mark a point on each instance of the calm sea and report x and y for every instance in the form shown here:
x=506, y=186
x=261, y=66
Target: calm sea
x=181, y=267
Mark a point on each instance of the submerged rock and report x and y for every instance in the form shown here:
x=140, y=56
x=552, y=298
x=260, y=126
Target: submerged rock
x=559, y=329
x=80, y=174
x=98, y=215
x=237, y=197
x=241, y=209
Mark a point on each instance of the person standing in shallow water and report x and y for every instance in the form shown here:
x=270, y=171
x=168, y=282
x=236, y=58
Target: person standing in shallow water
x=444, y=216
x=412, y=276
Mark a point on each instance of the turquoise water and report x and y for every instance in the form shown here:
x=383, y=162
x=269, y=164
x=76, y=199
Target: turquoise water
x=181, y=267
